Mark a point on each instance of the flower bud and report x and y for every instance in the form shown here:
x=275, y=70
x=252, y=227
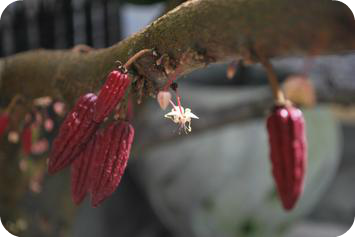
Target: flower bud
x=163, y=99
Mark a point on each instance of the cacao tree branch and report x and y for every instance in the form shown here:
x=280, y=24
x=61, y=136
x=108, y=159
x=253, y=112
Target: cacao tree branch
x=192, y=35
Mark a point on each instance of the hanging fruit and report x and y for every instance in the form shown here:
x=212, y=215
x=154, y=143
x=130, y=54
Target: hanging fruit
x=288, y=145
x=76, y=130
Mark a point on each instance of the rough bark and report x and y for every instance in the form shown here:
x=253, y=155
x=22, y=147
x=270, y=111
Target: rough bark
x=192, y=35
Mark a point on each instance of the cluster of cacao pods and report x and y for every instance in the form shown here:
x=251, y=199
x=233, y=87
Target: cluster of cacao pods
x=288, y=152
x=30, y=124
x=98, y=155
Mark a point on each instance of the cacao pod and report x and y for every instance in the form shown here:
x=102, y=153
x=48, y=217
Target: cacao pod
x=288, y=152
x=111, y=94
x=76, y=130
x=26, y=139
x=80, y=170
x=111, y=156
x=4, y=122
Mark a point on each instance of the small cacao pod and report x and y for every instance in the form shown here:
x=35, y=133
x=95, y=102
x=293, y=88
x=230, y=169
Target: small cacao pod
x=26, y=139
x=80, y=170
x=4, y=122
x=288, y=152
x=76, y=130
x=111, y=94
x=111, y=156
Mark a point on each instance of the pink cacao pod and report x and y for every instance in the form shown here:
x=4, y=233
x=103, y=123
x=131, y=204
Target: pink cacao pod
x=288, y=152
x=76, y=130
x=111, y=94
x=80, y=170
x=4, y=122
x=111, y=156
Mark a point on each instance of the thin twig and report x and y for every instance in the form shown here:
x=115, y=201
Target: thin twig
x=272, y=77
x=14, y=101
x=135, y=57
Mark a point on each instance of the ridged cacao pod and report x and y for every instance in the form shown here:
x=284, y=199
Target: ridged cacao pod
x=76, y=130
x=111, y=156
x=288, y=152
x=4, y=122
x=80, y=170
x=111, y=94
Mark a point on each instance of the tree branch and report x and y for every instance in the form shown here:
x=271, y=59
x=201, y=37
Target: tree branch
x=192, y=35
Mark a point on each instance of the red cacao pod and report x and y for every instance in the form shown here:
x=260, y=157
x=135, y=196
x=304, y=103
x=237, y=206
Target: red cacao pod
x=111, y=94
x=4, y=122
x=111, y=156
x=26, y=139
x=80, y=170
x=288, y=152
x=76, y=130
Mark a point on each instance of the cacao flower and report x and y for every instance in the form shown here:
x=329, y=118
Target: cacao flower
x=111, y=94
x=111, y=156
x=48, y=125
x=288, y=151
x=4, y=122
x=26, y=139
x=76, y=130
x=80, y=179
x=39, y=147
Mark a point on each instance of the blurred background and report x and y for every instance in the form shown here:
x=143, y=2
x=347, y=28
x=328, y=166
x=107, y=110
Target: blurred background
x=215, y=182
